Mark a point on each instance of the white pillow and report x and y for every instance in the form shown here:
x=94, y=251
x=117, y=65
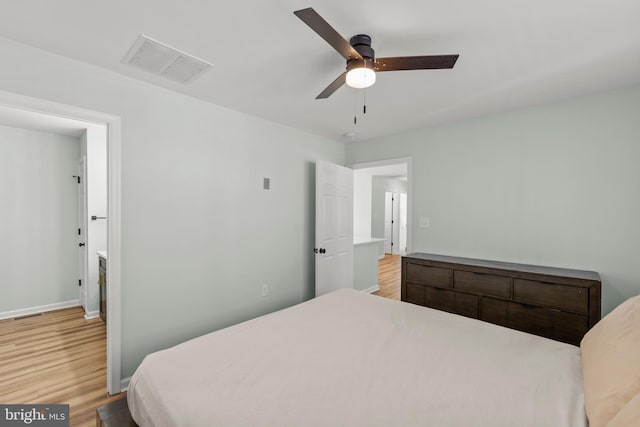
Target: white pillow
x=611, y=363
x=628, y=416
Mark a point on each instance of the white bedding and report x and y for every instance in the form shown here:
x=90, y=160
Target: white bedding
x=352, y=359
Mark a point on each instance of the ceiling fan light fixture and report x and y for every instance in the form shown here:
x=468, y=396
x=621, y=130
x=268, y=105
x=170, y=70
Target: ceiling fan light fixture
x=361, y=77
x=360, y=56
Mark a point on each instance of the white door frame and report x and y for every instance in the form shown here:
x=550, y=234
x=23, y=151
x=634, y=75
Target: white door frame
x=388, y=162
x=403, y=224
x=114, y=261
x=82, y=238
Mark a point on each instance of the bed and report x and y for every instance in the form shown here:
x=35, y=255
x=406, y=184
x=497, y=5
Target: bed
x=353, y=359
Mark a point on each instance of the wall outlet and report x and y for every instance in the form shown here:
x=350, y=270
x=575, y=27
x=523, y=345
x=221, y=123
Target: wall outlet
x=265, y=290
x=425, y=222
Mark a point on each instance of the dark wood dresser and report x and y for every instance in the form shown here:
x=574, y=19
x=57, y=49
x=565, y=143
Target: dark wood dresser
x=556, y=303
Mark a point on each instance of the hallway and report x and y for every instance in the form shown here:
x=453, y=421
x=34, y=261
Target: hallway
x=389, y=276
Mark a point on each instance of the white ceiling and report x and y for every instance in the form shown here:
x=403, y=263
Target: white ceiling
x=268, y=63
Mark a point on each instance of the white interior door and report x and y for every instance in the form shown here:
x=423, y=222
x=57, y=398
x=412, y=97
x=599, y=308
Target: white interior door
x=403, y=223
x=395, y=224
x=388, y=230
x=392, y=223
x=334, y=227
x=82, y=232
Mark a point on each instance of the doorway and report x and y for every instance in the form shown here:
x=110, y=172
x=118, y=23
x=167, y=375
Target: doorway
x=378, y=217
x=16, y=107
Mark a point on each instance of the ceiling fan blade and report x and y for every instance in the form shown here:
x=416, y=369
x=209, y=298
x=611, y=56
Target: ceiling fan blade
x=431, y=62
x=326, y=31
x=334, y=86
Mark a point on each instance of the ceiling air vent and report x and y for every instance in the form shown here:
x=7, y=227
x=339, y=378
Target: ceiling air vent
x=158, y=58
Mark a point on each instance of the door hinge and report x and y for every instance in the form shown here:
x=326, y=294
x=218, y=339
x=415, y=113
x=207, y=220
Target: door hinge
x=80, y=282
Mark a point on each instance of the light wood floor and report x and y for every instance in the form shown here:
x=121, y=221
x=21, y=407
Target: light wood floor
x=56, y=357
x=389, y=277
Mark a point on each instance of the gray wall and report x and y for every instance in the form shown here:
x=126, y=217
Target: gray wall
x=365, y=266
x=200, y=235
x=361, y=204
x=555, y=185
x=38, y=219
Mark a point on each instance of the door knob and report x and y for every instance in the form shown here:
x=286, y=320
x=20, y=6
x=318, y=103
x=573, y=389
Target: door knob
x=81, y=244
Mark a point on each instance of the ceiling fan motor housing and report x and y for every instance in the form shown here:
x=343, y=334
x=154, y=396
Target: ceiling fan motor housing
x=362, y=44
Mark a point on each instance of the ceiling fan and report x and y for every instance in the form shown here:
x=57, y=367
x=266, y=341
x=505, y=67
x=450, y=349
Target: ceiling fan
x=362, y=64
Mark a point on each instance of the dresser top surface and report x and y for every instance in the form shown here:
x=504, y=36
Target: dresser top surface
x=500, y=265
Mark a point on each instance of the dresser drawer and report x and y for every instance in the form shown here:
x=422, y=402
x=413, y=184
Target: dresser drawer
x=432, y=276
x=415, y=294
x=533, y=320
x=562, y=297
x=440, y=299
x=493, y=311
x=558, y=325
x=466, y=305
x=569, y=327
x=482, y=284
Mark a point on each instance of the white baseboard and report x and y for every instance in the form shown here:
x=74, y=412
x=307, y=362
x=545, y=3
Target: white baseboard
x=39, y=309
x=380, y=257
x=124, y=384
x=92, y=314
x=372, y=289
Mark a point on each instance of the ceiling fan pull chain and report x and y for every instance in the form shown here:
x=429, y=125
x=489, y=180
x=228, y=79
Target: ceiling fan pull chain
x=355, y=108
x=364, y=101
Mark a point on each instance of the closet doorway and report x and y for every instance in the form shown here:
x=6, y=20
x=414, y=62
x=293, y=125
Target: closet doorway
x=22, y=104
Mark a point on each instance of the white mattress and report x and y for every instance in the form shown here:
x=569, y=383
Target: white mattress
x=353, y=359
